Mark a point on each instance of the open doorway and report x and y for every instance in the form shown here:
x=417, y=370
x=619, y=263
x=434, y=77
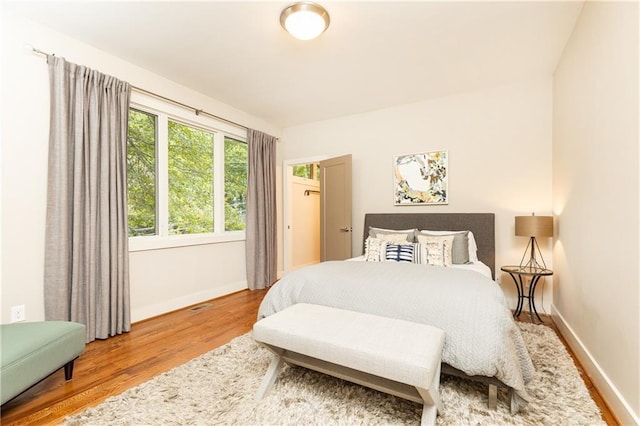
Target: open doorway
x=317, y=210
x=305, y=220
x=302, y=213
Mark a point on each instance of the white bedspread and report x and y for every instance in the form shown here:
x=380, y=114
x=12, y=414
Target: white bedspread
x=481, y=336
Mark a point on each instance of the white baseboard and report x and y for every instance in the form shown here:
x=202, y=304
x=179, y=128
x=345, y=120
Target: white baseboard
x=619, y=406
x=145, y=312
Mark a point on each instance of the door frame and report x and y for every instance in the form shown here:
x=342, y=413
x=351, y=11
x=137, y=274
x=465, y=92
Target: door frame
x=287, y=241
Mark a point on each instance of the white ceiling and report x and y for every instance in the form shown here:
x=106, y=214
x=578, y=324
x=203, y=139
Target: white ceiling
x=374, y=54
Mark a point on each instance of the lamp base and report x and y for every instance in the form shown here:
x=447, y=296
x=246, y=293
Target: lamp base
x=532, y=263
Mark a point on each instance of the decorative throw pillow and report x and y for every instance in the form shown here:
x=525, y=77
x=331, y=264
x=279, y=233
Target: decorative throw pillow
x=374, y=249
x=460, y=249
x=435, y=252
x=401, y=252
x=393, y=238
x=431, y=253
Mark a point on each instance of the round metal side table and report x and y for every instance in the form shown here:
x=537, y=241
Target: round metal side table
x=517, y=273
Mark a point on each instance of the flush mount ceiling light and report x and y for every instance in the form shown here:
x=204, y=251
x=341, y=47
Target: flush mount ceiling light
x=304, y=20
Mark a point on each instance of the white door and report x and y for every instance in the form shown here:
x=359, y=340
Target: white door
x=335, y=208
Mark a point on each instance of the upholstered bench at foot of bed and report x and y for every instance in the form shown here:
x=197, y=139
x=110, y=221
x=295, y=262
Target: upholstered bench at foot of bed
x=390, y=355
x=31, y=351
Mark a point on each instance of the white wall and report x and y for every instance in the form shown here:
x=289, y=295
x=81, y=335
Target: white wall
x=499, y=143
x=161, y=280
x=595, y=198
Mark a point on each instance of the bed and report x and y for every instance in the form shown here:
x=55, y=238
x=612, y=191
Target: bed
x=482, y=341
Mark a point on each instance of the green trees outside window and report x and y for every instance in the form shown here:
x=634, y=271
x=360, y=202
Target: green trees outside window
x=141, y=173
x=307, y=171
x=235, y=184
x=190, y=180
x=191, y=173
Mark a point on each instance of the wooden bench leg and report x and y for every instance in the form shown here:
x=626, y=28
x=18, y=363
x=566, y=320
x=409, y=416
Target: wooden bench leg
x=430, y=409
x=493, y=397
x=513, y=401
x=431, y=398
x=270, y=377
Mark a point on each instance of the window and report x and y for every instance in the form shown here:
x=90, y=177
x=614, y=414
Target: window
x=187, y=178
x=307, y=171
x=141, y=173
x=235, y=181
x=190, y=180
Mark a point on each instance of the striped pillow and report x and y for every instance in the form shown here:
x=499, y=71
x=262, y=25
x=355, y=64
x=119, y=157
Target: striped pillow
x=401, y=252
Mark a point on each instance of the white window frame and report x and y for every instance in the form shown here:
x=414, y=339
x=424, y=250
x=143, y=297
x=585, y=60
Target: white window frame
x=165, y=111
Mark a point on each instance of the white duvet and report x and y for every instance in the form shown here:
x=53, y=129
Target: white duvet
x=481, y=336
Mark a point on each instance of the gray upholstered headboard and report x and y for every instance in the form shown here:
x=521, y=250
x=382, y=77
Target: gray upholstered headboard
x=481, y=224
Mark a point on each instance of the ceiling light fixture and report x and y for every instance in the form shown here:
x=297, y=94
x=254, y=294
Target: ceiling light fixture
x=304, y=20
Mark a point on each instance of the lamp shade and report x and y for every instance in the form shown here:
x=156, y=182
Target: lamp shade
x=304, y=20
x=534, y=226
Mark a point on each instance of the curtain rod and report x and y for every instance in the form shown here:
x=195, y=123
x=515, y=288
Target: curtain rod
x=197, y=111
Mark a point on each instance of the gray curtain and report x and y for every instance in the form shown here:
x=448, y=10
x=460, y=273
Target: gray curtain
x=86, y=246
x=261, y=210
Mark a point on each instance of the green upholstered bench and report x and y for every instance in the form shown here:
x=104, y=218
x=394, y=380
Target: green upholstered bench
x=31, y=351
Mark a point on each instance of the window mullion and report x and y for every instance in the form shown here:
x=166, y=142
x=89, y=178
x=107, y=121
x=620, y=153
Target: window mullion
x=218, y=183
x=163, y=174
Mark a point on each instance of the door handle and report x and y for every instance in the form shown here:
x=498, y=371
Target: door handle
x=346, y=229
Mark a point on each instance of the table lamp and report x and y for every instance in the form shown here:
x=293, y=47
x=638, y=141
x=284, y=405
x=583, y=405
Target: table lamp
x=533, y=226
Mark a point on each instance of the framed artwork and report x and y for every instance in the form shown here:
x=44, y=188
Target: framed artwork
x=421, y=179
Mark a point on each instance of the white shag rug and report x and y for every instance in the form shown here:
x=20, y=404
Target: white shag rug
x=218, y=388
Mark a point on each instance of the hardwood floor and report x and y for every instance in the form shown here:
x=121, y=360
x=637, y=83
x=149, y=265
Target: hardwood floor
x=109, y=367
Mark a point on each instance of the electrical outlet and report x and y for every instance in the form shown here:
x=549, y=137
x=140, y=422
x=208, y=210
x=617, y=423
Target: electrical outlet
x=18, y=313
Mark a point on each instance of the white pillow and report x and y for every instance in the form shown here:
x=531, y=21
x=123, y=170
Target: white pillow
x=374, y=232
x=473, y=247
x=393, y=238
